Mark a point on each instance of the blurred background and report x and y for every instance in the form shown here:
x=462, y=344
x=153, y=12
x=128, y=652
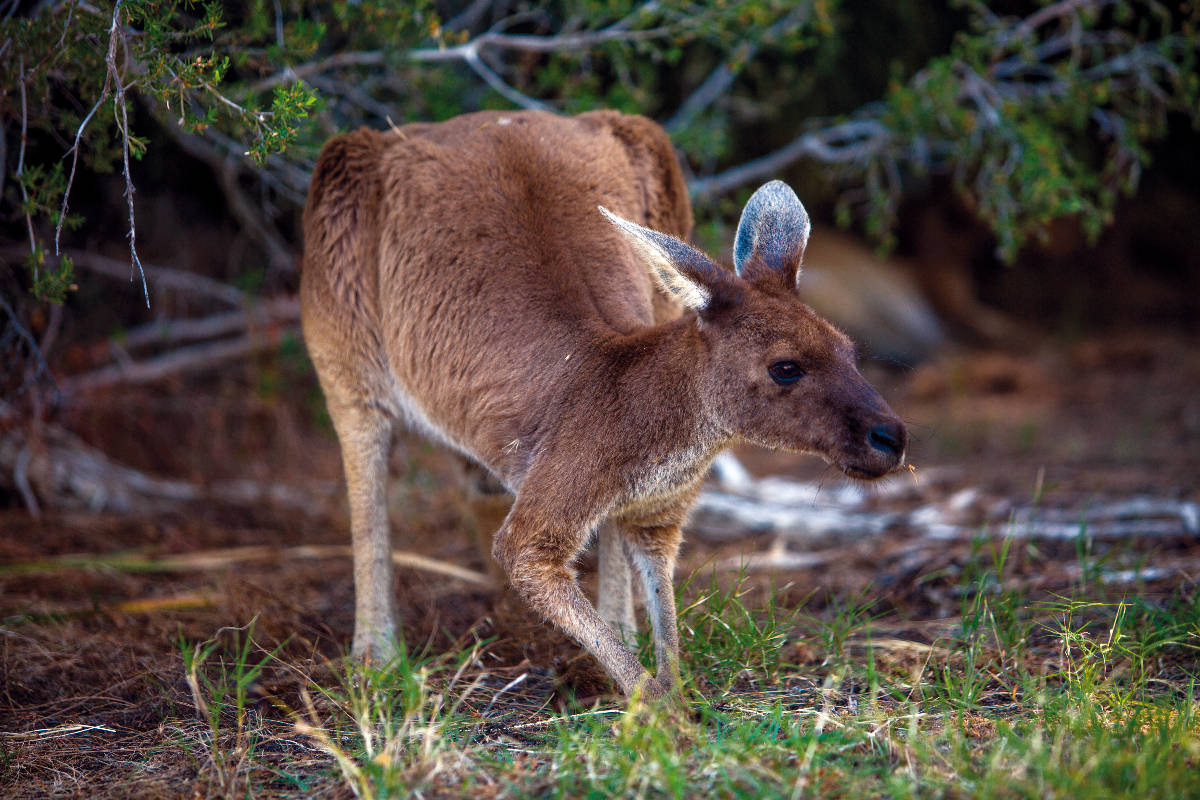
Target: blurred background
x=1005, y=198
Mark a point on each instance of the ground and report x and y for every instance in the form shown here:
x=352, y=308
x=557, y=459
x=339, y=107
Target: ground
x=160, y=664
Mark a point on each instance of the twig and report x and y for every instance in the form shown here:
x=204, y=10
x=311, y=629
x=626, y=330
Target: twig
x=1030, y=24
x=470, y=50
x=21, y=162
x=21, y=478
x=122, y=117
x=225, y=166
x=58, y=732
x=41, y=370
x=847, y=141
x=109, y=59
x=174, y=331
x=164, y=277
x=74, y=153
x=282, y=258
x=185, y=359
x=510, y=93
x=721, y=78
x=467, y=18
x=224, y=557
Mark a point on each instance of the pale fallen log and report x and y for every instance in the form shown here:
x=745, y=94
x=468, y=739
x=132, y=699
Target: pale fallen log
x=800, y=512
x=64, y=472
x=722, y=516
x=778, y=557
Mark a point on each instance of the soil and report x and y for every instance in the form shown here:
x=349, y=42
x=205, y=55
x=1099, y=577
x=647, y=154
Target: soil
x=1111, y=416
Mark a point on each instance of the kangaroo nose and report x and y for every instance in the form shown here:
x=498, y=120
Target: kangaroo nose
x=888, y=438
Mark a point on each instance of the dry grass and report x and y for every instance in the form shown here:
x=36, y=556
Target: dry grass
x=971, y=671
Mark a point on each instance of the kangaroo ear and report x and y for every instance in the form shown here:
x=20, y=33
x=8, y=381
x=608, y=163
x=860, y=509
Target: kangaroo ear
x=772, y=234
x=677, y=268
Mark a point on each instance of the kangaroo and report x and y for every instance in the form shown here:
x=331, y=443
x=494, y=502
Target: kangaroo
x=516, y=286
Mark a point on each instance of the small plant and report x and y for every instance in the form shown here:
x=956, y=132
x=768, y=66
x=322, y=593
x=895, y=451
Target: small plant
x=844, y=619
x=220, y=673
x=723, y=638
x=393, y=728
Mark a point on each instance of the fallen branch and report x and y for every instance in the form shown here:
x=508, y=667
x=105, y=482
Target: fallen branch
x=65, y=472
x=174, y=331
x=147, y=605
x=742, y=506
x=222, y=558
x=184, y=359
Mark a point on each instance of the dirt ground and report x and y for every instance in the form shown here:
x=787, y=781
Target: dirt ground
x=99, y=646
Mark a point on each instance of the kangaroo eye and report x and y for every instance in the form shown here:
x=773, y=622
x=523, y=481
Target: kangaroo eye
x=785, y=372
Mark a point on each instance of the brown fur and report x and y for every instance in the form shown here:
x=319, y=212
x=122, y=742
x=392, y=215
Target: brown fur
x=460, y=279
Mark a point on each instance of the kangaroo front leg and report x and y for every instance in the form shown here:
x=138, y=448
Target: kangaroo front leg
x=365, y=436
x=653, y=552
x=537, y=561
x=615, y=590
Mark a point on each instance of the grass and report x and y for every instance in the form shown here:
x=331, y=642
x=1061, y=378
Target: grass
x=1020, y=697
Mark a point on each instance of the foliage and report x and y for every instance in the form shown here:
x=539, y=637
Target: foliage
x=1048, y=118
x=1035, y=118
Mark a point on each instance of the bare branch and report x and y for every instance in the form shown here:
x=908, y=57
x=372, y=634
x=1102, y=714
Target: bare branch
x=471, y=57
x=40, y=371
x=854, y=140
x=1030, y=24
x=21, y=161
x=253, y=221
x=120, y=112
x=720, y=79
x=110, y=59
x=468, y=52
x=74, y=153
x=367, y=58
x=164, y=277
x=469, y=17
x=21, y=479
x=69, y=473
x=866, y=140
x=174, y=331
x=185, y=359
x=355, y=95
x=282, y=257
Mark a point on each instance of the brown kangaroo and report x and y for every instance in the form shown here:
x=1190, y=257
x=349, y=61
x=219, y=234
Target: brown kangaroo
x=489, y=282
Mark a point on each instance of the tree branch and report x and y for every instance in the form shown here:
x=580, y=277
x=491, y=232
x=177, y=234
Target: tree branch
x=853, y=140
x=720, y=79
x=174, y=331
x=185, y=359
x=110, y=59
x=40, y=371
x=225, y=166
x=164, y=277
x=469, y=51
x=120, y=112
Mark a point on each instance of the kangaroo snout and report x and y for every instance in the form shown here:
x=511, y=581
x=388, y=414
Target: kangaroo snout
x=881, y=452
x=888, y=438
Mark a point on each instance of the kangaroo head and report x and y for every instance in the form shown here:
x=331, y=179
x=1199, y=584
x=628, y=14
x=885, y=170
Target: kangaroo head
x=774, y=372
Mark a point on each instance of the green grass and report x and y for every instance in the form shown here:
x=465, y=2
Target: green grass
x=1053, y=697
